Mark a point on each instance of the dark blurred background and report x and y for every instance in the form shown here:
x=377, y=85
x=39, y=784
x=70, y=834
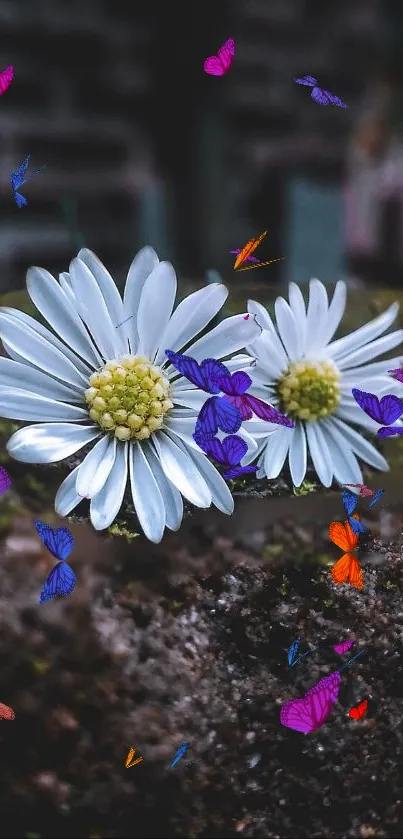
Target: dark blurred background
x=142, y=147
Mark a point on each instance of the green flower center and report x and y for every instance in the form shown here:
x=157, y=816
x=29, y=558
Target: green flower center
x=309, y=390
x=129, y=396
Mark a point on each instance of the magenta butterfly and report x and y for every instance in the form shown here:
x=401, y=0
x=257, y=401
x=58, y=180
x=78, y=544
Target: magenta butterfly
x=6, y=77
x=5, y=480
x=397, y=374
x=342, y=648
x=309, y=713
x=218, y=65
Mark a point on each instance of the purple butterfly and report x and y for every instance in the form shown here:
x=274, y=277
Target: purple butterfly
x=225, y=412
x=384, y=411
x=309, y=713
x=248, y=258
x=321, y=96
x=228, y=453
x=343, y=647
x=397, y=374
x=5, y=480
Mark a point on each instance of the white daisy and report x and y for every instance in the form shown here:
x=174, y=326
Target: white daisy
x=311, y=380
x=97, y=381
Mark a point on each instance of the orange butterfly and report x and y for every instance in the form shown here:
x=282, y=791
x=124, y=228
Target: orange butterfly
x=6, y=713
x=248, y=249
x=347, y=568
x=358, y=711
x=130, y=756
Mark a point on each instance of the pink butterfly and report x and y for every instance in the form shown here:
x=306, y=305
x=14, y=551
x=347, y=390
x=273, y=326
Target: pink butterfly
x=364, y=490
x=218, y=65
x=343, y=647
x=6, y=78
x=310, y=712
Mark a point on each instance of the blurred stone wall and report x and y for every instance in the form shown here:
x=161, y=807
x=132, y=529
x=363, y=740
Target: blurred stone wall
x=111, y=96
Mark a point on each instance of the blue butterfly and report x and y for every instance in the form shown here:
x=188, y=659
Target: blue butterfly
x=293, y=651
x=18, y=179
x=376, y=497
x=181, y=751
x=350, y=502
x=62, y=579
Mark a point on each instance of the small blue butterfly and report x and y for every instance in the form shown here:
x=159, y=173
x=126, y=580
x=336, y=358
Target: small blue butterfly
x=18, y=179
x=293, y=651
x=62, y=579
x=350, y=502
x=376, y=497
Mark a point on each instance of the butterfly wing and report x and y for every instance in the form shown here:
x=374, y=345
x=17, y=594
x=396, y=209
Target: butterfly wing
x=213, y=371
x=397, y=374
x=376, y=497
x=228, y=417
x=226, y=54
x=239, y=403
x=6, y=713
x=322, y=97
x=293, y=652
x=267, y=412
x=356, y=525
x=385, y=411
x=390, y=431
x=61, y=581
x=347, y=570
x=59, y=542
x=20, y=200
x=350, y=501
x=308, y=81
x=342, y=648
x=342, y=535
x=17, y=178
x=297, y=714
x=335, y=100
x=5, y=480
x=245, y=252
x=322, y=698
x=358, y=711
x=237, y=471
x=190, y=368
x=206, y=423
x=129, y=756
x=214, y=448
x=6, y=78
x=234, y=449
x=212, y=66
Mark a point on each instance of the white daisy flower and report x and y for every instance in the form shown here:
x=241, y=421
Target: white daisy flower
x=310, y=378
x=110, y=383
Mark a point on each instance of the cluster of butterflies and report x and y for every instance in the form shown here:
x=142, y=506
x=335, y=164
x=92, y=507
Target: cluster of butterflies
x=218, y=65
x=225, y=413
x=17, y=178
x=345, y=535
x=386, y=410
x=312, y=710
x=178, y=755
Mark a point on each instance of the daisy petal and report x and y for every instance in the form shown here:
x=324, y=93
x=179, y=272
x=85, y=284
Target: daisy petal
x=378, y=347
x=230, y=336
x=365, y=450
x=110, y=293
x=39, y=329
x=67, y=496
x=276, y=452
x=106, y=504
x=56, y=308
x=189, y=398
x=288, y=329
x=93, y=309
x=142, y=266
x=16, y=403
x=319, y=453
x=50, y=442
x=316, y=317
x=191, y=317
x=297, y=305
x=172, y=498
x=221, y=496
x=66, y=285
x=345, y=466
x=40, y=352
x=181, y=470
x=297, y=456
x=147, y=498
x=96, y=467
x=348, y=411
x=340, y=348
x=155, y=308
x=335, y=312
x=32, y=379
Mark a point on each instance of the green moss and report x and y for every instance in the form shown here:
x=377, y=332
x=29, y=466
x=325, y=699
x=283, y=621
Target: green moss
x=120, y=530
x=305, y=488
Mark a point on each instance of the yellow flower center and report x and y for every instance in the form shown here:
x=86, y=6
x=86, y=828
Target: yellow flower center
x=309, y=390
x=129, y=396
